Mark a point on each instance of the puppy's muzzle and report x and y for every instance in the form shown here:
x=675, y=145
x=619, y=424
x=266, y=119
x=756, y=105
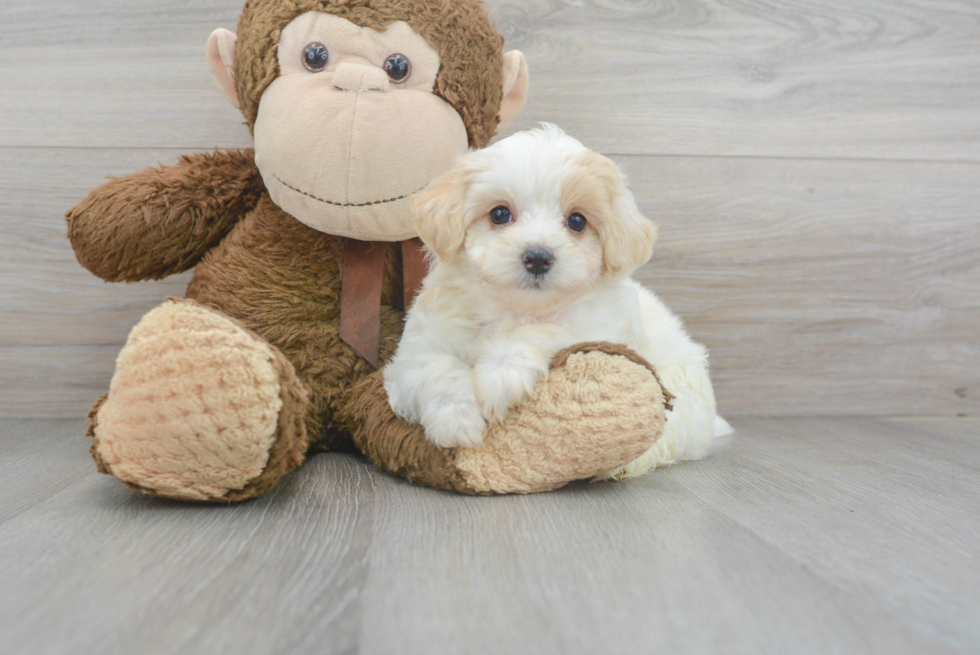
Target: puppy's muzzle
x=538, y=261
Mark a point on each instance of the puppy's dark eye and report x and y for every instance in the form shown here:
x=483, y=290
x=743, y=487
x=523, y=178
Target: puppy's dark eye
x=576, y=223
x=501, y=216
x=398, y=68
x=316, y=57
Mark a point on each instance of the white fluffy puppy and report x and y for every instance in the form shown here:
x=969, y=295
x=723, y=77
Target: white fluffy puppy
x=534, y=240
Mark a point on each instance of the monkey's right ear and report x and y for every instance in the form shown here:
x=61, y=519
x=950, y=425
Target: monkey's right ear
x=221, y=58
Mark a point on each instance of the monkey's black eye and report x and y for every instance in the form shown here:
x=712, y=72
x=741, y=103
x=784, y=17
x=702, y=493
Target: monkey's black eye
x=398, y=68
x=576, y=223
x=316, y=57
x=501, y=216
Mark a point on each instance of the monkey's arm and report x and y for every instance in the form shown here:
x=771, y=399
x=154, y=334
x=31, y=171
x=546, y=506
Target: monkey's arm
x=162, y=221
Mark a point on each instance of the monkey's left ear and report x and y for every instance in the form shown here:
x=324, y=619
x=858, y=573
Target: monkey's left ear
x=221, y=58
x=516, y=81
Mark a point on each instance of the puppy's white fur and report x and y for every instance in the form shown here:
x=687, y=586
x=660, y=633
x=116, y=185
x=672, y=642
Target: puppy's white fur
x=484, y=329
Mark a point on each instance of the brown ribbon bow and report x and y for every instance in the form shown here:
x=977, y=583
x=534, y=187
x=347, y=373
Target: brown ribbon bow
x=363, y=281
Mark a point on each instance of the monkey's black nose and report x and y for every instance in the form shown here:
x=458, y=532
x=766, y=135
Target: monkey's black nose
x=538, y=261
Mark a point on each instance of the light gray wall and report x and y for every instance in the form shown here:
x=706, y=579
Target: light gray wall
x=814, y=167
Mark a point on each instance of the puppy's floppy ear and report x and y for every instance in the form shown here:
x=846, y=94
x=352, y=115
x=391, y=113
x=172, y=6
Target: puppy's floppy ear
x=440, y=213
x=629, y=237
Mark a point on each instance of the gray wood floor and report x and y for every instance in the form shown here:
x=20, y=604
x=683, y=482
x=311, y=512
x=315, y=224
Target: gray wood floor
x=815, y=170
x=802, y=536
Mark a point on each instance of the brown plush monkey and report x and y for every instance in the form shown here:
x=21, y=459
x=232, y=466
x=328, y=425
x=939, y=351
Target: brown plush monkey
x=354, y=106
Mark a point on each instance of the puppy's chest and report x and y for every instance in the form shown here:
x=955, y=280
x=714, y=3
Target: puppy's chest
x=589, y=320
x=614, y=323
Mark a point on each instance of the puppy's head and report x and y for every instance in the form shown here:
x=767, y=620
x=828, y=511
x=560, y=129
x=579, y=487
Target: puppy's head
x=536, y=215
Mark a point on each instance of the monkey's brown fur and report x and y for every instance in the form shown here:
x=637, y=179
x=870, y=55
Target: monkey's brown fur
x=162, y=221
x=276, y=277
x=470, y=48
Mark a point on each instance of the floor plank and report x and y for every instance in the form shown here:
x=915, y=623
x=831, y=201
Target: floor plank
x=129, y=573
x=885, y=514
x=804, y=535
x=39, y=459
x=640, y=567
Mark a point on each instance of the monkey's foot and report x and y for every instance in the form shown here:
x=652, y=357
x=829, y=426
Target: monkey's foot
x=600, y=407
x=199, y=408
x=600, y=404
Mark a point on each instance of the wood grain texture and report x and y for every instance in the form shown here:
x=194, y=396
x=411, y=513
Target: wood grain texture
x=872, y=524
x=281, y=574
x=60, y=327
x=122, y=73
x=46, y=298
x=818, y=536
x=814, y=168
x=866, y=78
x=845, y=289
x=851, y=289
x=38, y=459
x=786, y=78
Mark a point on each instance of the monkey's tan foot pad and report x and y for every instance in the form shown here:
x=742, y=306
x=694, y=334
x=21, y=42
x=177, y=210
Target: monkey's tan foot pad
x=199, y=408
x=600, y=407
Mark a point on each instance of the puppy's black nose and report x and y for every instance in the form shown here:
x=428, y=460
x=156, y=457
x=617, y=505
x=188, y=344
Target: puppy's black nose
x=538, y=261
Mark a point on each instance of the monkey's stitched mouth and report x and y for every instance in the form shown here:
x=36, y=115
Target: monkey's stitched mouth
x=342, y=204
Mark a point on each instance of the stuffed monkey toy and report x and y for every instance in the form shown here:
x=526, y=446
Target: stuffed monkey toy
x=305, y=258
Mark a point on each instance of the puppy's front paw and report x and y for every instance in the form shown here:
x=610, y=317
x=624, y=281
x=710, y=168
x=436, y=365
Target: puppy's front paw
x=454, y=423
x=400, y=401
x=502, y=384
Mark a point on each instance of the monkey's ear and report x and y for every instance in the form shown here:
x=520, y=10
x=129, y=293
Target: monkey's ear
x=517, y=78
x=221, y=58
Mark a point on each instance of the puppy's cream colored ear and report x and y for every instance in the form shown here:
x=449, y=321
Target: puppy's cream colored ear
x=630, y=237
x=440, y=213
